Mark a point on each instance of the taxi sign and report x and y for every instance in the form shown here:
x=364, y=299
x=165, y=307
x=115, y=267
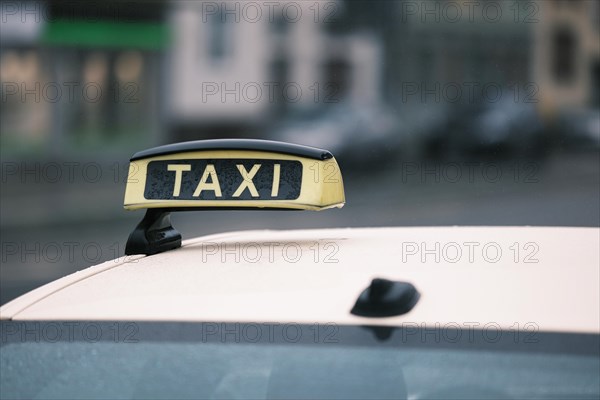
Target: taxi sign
x=225, y=174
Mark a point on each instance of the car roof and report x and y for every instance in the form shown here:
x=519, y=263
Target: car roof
x=548, y=277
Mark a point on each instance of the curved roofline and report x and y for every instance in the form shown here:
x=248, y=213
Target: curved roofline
x=235, y=144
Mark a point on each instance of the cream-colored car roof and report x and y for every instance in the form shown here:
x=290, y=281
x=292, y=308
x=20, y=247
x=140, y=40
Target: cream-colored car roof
x=315, y=276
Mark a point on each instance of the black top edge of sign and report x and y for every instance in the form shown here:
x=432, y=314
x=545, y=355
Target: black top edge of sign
x=235, y=144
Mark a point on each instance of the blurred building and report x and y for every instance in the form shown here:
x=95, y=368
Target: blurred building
x=452, y=50
x=124, y=75
x=236, y=67
x=77, y=78
x=118, y=76
x=446, y=56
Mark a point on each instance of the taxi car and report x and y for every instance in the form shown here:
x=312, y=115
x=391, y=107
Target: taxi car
x=398, y=313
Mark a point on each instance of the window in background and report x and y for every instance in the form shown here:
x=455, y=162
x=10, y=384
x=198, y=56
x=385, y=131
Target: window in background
x=218, y=37
x=564, y=48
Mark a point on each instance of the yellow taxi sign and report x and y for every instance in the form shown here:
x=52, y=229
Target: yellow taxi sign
x=226, y=174
x=234, y=174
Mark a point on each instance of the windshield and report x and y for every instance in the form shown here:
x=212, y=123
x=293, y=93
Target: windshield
x=43, y=360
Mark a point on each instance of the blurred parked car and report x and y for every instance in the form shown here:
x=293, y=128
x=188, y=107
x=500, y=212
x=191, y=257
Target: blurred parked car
x=580, y=129
x=499, y=130
x=357, y=135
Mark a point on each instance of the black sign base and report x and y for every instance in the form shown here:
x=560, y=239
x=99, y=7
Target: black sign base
x=154, y=234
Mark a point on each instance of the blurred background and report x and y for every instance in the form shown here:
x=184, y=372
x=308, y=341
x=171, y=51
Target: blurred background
x=439, y=113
